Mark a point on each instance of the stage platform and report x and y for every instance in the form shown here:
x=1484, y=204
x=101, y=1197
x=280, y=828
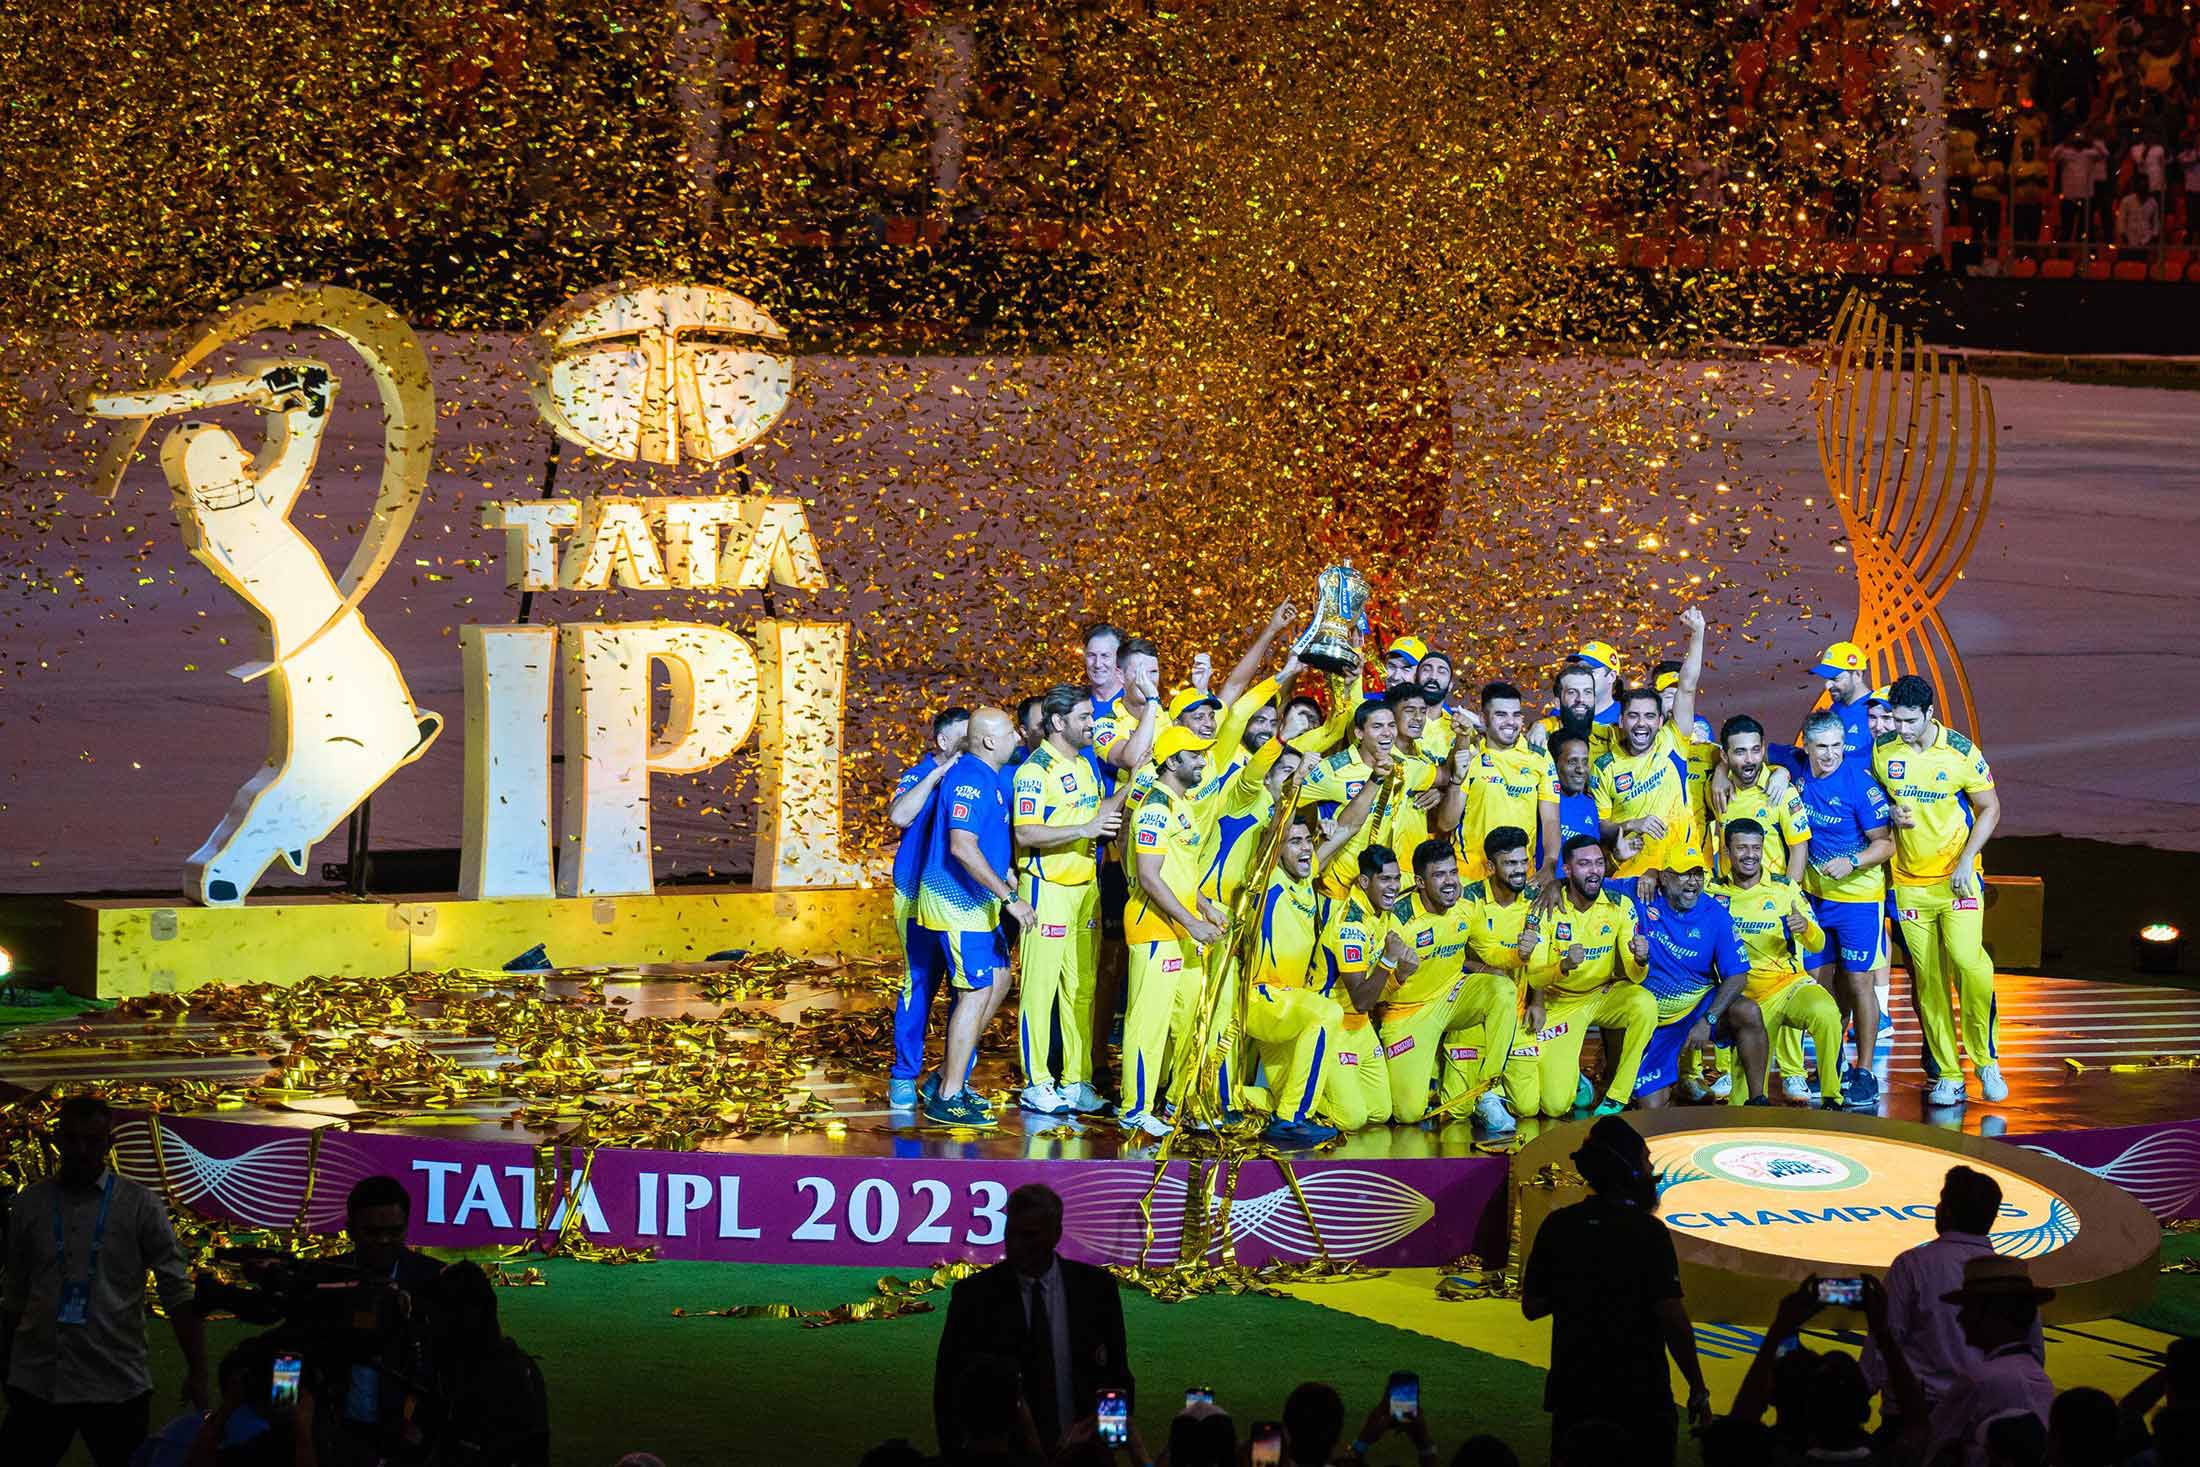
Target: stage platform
x=125, y=947
x=820, y=1169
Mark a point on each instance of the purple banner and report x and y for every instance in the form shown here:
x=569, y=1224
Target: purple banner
x=2158, y=1164
x=752, y=1208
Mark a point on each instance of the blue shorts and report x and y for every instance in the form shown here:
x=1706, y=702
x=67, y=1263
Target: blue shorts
x=1856, y=933
x=974, y=957
x=1661, y=1062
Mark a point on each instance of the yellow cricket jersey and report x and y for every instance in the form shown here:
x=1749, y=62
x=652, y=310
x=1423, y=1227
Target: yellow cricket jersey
x=1242, y=813
x=1057, y=789
x=1439, y=940
x=1290, y=927
x=1350, y=943
x=1495, y=926
x=1165, y=826
x=1603, y=737
x=1760, y=914
x=1631, y=786
x=1786, y=826
x=1603, y=930
x=1700, y=758
x=1503, y=787
x=1928, y=780
x=1436, y=739
x=1337, y=779
x=1121, y=725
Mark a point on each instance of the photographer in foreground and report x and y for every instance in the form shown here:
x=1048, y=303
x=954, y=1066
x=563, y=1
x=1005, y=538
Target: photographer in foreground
x=72, y=1303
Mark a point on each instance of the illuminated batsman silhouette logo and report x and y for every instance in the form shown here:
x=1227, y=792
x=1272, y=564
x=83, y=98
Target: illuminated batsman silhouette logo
x=341, y=720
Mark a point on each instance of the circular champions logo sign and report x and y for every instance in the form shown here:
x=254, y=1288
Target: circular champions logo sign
x=1839, y=1198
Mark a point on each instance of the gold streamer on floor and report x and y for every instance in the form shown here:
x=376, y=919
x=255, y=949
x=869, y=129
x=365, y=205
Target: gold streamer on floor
x=893, y=1298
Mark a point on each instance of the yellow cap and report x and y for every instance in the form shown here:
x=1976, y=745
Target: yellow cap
x=1177, y=739
x=1881, y=696
x=1184, y=700
x=1598, y=654
x=1411, y=648
x=1688, y=860
x=1841, y=657
x=1665, y=680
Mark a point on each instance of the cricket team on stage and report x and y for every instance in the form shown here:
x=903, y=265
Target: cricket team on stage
x=1397, y=906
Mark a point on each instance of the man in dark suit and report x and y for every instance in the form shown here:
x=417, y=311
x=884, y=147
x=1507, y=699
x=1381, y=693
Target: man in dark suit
x=1060, y=1322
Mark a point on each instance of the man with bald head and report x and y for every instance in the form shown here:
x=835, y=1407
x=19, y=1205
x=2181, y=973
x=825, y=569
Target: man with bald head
x=961, y=895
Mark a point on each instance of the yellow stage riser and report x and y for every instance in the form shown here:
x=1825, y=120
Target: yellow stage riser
x=671, y=927
x=122, y=949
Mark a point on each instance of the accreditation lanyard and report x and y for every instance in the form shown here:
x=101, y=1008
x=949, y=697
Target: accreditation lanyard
x=75, y=1304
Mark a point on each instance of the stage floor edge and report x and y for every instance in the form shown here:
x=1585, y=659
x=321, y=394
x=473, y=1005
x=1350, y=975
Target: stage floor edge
x=125, y=948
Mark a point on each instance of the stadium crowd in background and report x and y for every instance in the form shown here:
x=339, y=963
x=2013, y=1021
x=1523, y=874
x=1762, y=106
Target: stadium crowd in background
x=1386, y=900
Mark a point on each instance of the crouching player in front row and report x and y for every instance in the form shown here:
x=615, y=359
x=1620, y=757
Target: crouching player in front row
x=1695, y=971
x=1772, y=917
x=1586, y=972
x=1451, y=1018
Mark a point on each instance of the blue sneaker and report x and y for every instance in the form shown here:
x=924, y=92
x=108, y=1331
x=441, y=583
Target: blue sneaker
x=1610, y=1107
x=1585, y=1095
x=1297, y=1135
x=901, y=1094
x=959, y=1110
x=1859, y=1087
x=929, y=1091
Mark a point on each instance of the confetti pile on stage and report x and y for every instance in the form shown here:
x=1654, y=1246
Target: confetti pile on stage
x=1219, y=295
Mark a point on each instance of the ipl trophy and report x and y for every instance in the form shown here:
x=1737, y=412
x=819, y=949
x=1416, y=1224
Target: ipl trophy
x=1332, y=641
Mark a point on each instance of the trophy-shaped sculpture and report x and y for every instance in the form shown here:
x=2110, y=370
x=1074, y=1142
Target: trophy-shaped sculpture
x=1332, y=640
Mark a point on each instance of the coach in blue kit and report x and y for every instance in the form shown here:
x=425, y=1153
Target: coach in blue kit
x=922, y=962
x=1696, y=972
x=1851, y=841
x=961, y=895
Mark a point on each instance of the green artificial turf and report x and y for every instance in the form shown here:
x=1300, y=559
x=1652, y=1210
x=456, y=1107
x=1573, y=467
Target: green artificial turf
x=2176, y=1306
x=625, y=1375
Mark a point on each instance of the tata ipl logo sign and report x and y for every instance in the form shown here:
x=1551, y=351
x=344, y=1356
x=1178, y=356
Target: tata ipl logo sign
x=655, y=373
x=1848, y=1199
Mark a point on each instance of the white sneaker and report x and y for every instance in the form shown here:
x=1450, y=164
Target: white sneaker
x=1723, y=1087
x=1148, y=1123
x=1692, y=1089
x=1797, y=1088
x=1991, y=1084
x=1496, y=1117
x=1944, y=1091
x=1044, y=1100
